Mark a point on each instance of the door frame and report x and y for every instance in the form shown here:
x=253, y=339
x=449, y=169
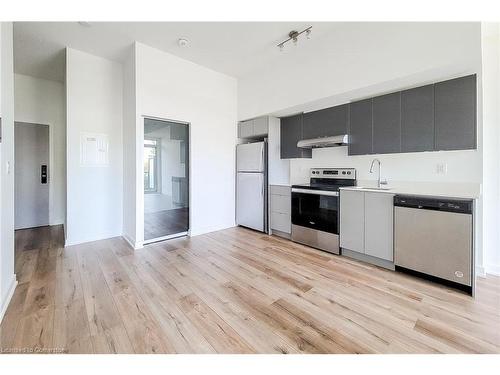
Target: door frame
x=140, y=213
x=50, y=168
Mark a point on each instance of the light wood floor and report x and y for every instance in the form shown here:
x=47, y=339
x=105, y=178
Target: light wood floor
x=233, y=291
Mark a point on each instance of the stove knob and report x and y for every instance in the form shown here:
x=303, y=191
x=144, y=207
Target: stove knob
x=343, y=172
x=348, y=172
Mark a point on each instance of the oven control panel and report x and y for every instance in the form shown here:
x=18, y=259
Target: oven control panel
x=334, y=173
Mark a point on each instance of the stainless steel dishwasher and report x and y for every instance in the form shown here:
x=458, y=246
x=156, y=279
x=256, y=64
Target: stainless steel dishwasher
x=433, y=238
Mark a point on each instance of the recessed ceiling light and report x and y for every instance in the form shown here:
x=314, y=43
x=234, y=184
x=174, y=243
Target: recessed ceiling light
x=84, y=23
x=182, y=42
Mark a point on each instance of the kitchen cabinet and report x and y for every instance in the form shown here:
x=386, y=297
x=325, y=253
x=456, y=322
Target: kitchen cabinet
x=254, y=128
x=379, y=225
x=326, y=122
x=280, y=209
x=387, y=123
x=366, y=223
x=417, y=119
x=360, y=127
x=290, y=134
x=352, y=220
x=455, y=114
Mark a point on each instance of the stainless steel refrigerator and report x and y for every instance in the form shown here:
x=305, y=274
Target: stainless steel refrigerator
x=251, y=186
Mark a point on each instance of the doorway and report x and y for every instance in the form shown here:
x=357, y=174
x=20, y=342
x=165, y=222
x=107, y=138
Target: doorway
x=166, y=179
x=31, y=177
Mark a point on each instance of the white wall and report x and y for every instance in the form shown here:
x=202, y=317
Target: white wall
x=357, y=60
x=40, y=101
x=7, y=276
x=94, y=104
x=491, y=146
x=171, y=88
x=367, y=59
x=131, y=166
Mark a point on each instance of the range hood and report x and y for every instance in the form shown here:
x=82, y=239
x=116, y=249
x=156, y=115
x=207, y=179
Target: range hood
x=335, y=141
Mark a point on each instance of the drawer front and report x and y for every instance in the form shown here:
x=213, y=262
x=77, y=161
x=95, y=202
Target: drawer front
x=281, y=190
x=281, y=222
x=281, y=204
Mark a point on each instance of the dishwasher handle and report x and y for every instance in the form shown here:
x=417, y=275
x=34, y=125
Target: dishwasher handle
x=464, y=206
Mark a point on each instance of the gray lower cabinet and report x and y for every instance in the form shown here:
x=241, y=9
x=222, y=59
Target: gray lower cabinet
x=326, y=122
x=290, y=134
x=387, y=123
x=360, y=128
x=352, y=220
x=417, y=119
x=455, y=114
x=280, y=208
x=366, y=223
x=379, y=219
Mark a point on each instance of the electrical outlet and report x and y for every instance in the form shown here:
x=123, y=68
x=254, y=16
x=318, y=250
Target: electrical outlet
x=441, y=168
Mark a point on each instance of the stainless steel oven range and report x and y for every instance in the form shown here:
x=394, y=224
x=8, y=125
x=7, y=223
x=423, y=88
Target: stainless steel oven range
x=315, y=208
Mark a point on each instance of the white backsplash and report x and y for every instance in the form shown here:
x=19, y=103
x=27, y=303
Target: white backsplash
x=462, y=167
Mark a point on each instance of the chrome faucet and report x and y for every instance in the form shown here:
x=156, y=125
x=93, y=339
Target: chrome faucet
x=379, y=180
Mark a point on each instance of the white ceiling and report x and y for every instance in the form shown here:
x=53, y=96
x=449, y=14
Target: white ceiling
x=233, y=48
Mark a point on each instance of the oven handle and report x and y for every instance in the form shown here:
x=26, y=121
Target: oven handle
x=316, y=192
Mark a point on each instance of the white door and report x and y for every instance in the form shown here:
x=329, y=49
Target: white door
x=250, y=200
x=250, y=157
x=30, y=190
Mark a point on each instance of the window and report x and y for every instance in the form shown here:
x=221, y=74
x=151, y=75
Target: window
x=151, y=163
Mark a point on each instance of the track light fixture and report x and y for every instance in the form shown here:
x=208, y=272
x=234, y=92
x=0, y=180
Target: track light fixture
x=294, y=37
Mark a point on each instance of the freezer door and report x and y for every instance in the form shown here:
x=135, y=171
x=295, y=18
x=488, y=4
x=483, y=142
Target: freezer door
x=250, y=200
x=250, y=157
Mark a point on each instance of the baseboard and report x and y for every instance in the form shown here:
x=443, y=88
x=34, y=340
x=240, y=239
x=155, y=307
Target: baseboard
x=72, y=242
x=480, y=272
x=215, y=228
x=492, y=269
x=5, y=304
x=133, y=244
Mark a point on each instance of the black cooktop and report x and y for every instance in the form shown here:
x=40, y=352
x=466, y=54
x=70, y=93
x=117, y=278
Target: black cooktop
x=326, y=187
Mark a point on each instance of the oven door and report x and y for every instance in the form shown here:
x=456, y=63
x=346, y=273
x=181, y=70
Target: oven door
x=316, y=209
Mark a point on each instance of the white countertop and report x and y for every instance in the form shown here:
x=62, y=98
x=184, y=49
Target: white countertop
x=431, y=189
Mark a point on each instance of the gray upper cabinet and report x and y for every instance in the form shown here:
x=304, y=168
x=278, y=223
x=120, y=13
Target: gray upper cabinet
x=261, y=126
x=360, y=127
x=455, y=114
x=290, y=134
x=417, y=119
x=387, y=123
x=245, y=129
x=254, y=128
x=326, y=122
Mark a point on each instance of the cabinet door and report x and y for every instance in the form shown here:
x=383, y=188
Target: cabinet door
x=417, y=119
x=455, y=114
x=360, y=127
x=326, y=122
x=379, y=225
x=290, y=134
x=245, y=129
x=260, y=126
x=387, y=123
x=352, y=218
